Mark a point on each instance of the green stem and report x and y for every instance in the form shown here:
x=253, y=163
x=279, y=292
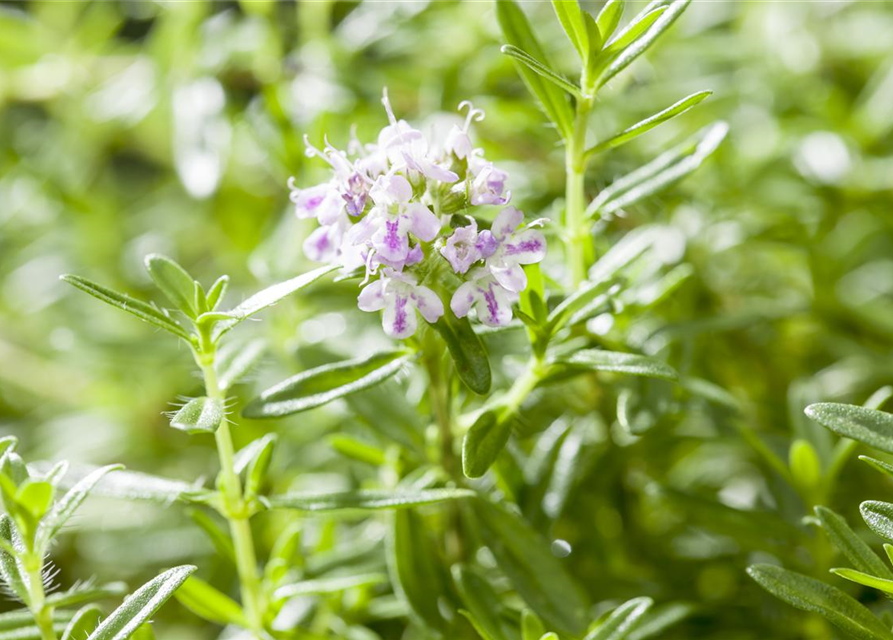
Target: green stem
x=43, y=614
x=235, y=509
x=576, y=233
x=523, y=385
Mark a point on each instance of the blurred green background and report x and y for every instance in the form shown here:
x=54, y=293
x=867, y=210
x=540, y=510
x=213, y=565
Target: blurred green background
x=129, y=127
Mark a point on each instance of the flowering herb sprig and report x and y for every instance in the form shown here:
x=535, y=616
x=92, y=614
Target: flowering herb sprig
x=394, y=207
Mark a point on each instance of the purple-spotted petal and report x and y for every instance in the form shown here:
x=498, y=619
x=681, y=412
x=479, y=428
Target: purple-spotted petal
x=428, y=303
x=510, y=277
x=527, y=247
x=399, y=318
x=506, y=222
x=371, y=298
x=390, y=240
x=494, y=305
x=463, y=299
x=322, y=244
x=422, y=222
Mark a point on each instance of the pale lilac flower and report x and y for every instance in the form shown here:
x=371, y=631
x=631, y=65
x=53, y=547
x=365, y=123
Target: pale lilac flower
x=505, y=248
x=458, y=141
x=405, y=145
x=461, y=249
x=492, y=302
x=387, y=226
x=488, y=184
x=322, y=202
x=400, y=295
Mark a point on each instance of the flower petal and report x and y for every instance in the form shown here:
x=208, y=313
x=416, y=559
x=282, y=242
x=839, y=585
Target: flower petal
x=428, y=303
x=399, y=318
x=526, y=247
x=322, y=244
x=494, y=306
x=506, y=222
x=464, y=298
x=422, y=221
x=371, y=298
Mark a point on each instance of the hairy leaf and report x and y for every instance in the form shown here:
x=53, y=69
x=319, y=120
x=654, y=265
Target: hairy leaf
x=365, y=499
x=174, y=282
x=199, y=415
x=870, y=426
x=618, y=362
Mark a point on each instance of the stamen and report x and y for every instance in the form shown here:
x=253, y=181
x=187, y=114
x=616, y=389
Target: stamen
x=387, y=106
x=474, y=115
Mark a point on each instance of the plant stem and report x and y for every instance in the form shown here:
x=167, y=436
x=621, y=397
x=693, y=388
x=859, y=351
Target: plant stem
x=235, y=509
x=523, y=385
x=576, y=234
x=43, y=614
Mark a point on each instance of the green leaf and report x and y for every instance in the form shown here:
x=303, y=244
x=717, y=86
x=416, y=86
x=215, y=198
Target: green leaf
x=129, y=485
x=11, y=570
x=571, y=18
x=145, y=312
x=636, y=27
x=235, y=359
x=659, y=619
x=870, y=426
x=539, y=577
x=322, y=385
x=518, y=33
x=618, y=362
x=868, y=580
x=217, y=291
x=878, y=465
x=804, y=463
x=199, y=415
x=83, y=622
x=609, y=17
x=334, y=584
x=879, y=517
x=8, y=443
x=256, y=472
x=851, y=545
x=84, y=593
x=483, y=443
x=65, y=508
x=20, y=625
x=467, y=350
x=173, y=280
x=207, y=602
x=538, y=67
x=221, y=540
x=814, y=596
x=481, y=601
x=416, y=568
x=622, y=620
x=531, y=626
x=266, y=298
x=35, y=497
x=642, y=41
x=140, y=606
x=649, y=123
x=667, y=168
x=366, y=499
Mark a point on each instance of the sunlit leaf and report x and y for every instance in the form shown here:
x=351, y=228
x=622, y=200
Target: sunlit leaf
x=207, y=602
x=622, y=620
x=870, y=426
x=538, y=67
x=83, y=622
x=618, y=362
x=335, y=584
x=483, y=443
x=365, y=499
x=174, y=282
x=481, y=601
x=199, y=415
x=850, y=544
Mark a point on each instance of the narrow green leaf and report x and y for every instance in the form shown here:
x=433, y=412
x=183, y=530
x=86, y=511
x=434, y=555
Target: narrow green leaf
x=538, y=67
x=86, y=593
x=355, y=449
x=814, y=596
x=207, y=602
x=641, y=43
x=609, y=17
x=128, y=485
x=334, y=584
x=199, y=415
x=173, y=280
x=804, y=463
x=83, y=622
x=35, y=497
x=618, y=362
x=539, y=577
x=217, y=292
x=622, y=620
x=8, y=443
x=467, y=350
x=517, y=32
x=56, y=473
x=595, y=40
x=65, y=508
x=268, y=297
x=850, y=544
x=235, y=359
x=667, y=168
x=256, y=472
x=649, y=123
x=416, y=568
x=659, y=619
x=879, y=517
x=531, y=626
x=322, y=385
x=140, y=606
x=145, y=312
x=868, y=580
x=366, y=499
x=878, y=465
x=637, y=26
x=20, y=625
x=13, y=573
x=870, y=426
x=481, y=601
x=570, y=15
x=483, y=443
x=216, y=534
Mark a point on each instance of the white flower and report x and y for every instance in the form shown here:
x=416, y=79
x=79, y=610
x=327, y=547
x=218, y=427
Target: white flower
x=400, y=295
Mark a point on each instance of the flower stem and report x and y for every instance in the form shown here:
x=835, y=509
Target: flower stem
x=235, y=509
x=43, y=614
x=576, y=235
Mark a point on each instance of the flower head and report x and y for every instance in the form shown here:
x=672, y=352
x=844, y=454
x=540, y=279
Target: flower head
x=492, y=302
x=506, y=248
x=461, y=249
x=399, y=295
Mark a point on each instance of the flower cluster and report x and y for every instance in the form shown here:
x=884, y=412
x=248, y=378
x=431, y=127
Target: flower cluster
x=393, y=208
